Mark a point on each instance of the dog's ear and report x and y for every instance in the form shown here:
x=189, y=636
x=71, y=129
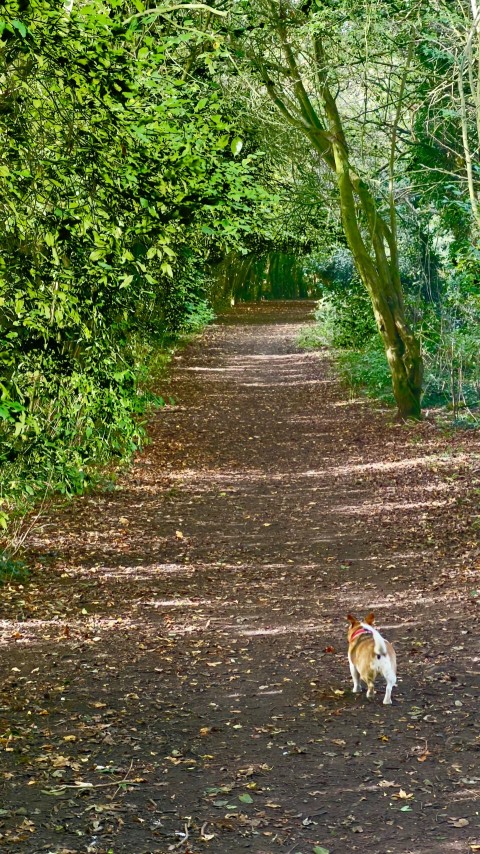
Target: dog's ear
x=351, y=619
x=370, y=619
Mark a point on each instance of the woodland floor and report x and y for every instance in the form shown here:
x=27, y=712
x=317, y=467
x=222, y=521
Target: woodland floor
x=177, y=663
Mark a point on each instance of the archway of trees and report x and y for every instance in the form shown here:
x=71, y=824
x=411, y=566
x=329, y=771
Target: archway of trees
x=155, y=159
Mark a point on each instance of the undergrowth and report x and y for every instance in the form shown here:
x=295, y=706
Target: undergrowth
x=366, y=371
x=363, y=369
x=450, y=354
x=89, y=430
x=451, y=379
x=12, y=570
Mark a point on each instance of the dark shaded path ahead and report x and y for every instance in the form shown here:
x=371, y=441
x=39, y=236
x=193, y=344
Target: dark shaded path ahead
x=174, y=678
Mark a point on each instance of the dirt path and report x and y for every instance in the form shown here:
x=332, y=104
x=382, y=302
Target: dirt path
x=177, y=664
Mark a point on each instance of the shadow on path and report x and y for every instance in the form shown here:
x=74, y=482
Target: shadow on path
x=175, y=675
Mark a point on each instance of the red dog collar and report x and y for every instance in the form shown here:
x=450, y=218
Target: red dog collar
x=358, y=632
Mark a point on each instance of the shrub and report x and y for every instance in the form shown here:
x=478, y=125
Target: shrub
x=347, y=329
x=366, y=370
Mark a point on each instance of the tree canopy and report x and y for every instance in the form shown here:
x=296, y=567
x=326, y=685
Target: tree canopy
x=148, y=152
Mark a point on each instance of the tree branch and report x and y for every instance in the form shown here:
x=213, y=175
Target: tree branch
x=164, y=10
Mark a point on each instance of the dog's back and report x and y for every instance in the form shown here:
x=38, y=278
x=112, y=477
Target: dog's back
x=370, y=655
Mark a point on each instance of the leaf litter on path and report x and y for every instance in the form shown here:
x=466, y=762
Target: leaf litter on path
x=174, y=673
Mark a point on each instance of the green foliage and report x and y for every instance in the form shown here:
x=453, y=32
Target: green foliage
x=12, y=570
x=120, y=174
x=134, y=162
x=447, y=317
x=344, y=314
x=262, y=275
x=358, y=351
x=312, y=337
x=366, y=370
x=352, y=322
x=323, y=332
x=451, y=340
x=345, y=324
x=436, y=162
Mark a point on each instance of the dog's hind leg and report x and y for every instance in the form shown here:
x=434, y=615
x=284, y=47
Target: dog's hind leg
x=387, y=700
x=356, y=677
x=391, y=678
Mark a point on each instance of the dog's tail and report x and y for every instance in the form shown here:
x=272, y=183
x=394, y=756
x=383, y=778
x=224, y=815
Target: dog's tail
x=379, y=643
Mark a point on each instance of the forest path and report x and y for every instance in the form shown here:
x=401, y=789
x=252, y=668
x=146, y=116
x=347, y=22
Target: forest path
x=177, y=664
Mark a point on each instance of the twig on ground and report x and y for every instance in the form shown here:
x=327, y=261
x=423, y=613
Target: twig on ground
x=182, y=841
x=122, y=781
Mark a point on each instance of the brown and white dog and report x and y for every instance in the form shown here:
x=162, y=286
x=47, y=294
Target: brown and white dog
x=369, y=656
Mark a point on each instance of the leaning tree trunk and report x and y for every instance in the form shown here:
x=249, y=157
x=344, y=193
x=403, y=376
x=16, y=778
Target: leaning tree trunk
x=378, y=270
x=401, y=346
x=371, y=240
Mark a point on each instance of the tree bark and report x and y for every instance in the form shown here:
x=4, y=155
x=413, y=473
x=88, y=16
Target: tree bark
x=371, y=240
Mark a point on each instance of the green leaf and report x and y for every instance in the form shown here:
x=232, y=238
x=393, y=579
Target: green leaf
x=97, y=254
x=245, y=799
x=166, y=268
x=127, y=280
x=319, y=850
x=20, y=26
x=236, y=146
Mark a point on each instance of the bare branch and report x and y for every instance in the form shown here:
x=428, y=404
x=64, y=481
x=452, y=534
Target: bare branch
x=164, y=10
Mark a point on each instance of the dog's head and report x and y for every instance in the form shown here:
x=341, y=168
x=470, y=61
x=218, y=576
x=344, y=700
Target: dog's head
x=354, y=623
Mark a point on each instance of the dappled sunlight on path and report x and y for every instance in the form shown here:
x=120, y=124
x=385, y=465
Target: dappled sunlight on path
x=186, y=630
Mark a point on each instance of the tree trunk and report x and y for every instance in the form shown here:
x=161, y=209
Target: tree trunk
x=401, y=346
x=373, y=244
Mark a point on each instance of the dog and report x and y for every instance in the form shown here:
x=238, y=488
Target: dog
x=369, y=656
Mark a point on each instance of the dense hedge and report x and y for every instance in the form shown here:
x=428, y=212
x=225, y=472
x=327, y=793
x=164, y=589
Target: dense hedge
x=121, y=174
